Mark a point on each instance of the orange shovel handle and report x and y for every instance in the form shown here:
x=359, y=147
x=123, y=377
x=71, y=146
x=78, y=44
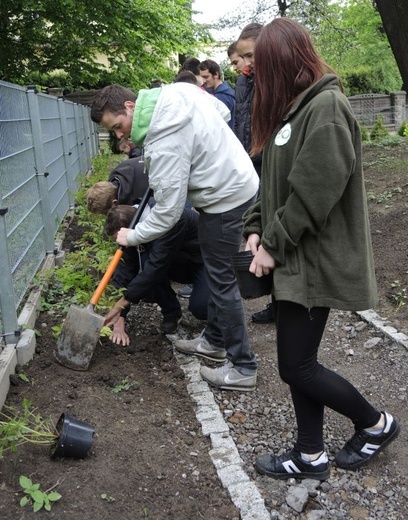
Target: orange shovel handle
x=107, y=276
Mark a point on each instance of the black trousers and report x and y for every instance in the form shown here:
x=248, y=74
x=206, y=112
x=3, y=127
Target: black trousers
x=312, y=386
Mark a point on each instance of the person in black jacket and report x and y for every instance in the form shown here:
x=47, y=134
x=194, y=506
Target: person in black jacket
x=244, y=89
x=126, y=185
x=146, y=271
x=244, y=92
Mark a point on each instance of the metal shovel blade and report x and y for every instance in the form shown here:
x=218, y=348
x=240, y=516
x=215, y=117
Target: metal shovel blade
x=78, y=338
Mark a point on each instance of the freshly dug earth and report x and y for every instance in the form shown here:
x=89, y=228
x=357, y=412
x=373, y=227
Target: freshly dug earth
x=149, y=458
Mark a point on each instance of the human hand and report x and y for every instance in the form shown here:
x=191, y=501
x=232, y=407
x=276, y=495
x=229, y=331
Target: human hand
x=262, y=264
x=119, y=335
x=121, y=237
x=252, y=243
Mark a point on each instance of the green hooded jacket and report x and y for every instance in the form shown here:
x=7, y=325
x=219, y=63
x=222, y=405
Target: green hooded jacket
x=312, y=213
x=142, y=115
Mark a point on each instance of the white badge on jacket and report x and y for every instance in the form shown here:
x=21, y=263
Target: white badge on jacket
x=283, y=135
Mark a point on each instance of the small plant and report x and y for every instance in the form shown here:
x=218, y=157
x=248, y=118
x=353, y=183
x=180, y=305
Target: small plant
x=107, y=497
x=365, y=135
x=385, y=196
x=19, y=428
x=403, y=129
x=399, y=294
x=23, y=376
x=36, y=497
x=126, y=384
x=378, y=131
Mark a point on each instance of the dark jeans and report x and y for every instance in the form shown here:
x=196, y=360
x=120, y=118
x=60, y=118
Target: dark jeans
x=299, y=332
x=220, y=237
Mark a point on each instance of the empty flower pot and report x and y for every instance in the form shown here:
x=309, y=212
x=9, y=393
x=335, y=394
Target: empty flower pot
x=250, y=286
x=74, y=438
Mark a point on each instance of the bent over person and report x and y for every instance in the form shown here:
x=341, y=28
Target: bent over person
x=146, y=271
x=311, y=228
x=191, y=153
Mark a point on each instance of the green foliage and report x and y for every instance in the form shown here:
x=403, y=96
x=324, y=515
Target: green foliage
x=399, y=294
x=125, y=384
x=19, y=427
x=351, y=39
x=378, y=131
x=34, y=496
x=365, y=135
x=363, y=79
x=386, y=196
x=349, y=35
x=23, y=376
x=107, y=497
x=403, y=129
x=76, y=279
x=80, y=45
x=229, y=75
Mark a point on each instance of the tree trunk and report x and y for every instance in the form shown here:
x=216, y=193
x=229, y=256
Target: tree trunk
x=394, y=15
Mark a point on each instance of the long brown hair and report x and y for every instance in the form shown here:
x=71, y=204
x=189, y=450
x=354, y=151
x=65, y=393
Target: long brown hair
x=286, y=64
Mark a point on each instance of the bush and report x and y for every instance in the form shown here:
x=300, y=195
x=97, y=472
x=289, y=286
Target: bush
x=403, y=129
x=365, y=135
x=379, y=131
x=363, y=80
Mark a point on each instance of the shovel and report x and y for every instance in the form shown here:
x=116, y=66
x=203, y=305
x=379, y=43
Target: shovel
x=81, y=330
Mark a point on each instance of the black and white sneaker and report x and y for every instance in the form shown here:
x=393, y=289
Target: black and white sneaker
x=291, y=464
x=363, y=446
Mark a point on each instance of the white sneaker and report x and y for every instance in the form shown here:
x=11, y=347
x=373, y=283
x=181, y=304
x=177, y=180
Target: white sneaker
x=228, y=377
x=200, y=347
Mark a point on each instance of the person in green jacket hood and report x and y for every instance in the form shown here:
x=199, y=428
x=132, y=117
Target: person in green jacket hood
x=310, y=227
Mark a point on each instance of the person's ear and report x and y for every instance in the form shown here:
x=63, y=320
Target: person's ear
x=129, y=105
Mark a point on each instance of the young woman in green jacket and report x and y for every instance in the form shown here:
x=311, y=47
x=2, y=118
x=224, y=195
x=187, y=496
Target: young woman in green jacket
x=310, y=227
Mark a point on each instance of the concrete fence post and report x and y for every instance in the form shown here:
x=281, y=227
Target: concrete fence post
x=399, y=102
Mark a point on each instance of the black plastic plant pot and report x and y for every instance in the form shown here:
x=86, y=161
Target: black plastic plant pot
x=74, y=438
x=250, y=286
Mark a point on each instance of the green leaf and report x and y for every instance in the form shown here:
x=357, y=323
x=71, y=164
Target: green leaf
x=25, y=482
x=38, y=496
x=23, y=377
x=24, y=501
x=37, y=506
x=47, y=507
x=54, y=496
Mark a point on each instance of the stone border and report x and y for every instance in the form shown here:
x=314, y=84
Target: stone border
x=224, y=454
x=384, y=327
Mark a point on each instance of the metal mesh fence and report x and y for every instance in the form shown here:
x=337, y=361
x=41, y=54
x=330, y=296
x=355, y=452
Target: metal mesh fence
x=46, y=143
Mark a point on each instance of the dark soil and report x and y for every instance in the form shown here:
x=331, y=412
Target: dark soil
x=149, y=458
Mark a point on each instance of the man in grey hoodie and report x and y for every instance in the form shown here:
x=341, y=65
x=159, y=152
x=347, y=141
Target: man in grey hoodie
x=190, y=152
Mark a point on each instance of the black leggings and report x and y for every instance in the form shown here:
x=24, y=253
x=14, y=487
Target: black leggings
x=299, y=332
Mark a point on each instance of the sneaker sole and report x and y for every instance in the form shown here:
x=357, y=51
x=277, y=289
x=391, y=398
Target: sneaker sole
x=322, y=475
x=365, y=461
x=199, y=354
x=230, y=387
